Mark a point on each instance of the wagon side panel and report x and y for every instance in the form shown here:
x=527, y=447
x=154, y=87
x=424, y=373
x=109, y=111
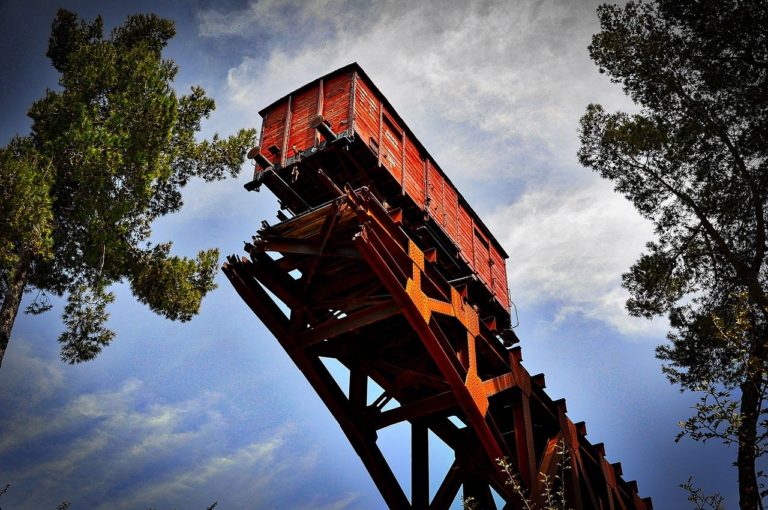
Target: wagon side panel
x=367, y=114
x=391, y=147
x=414, y=180
x=482, y=260
x=273, y=129
x=336, y=94
x=434, y=192
x=466, y=236
x=451, y=212
x=304, y=106
x=499, y=274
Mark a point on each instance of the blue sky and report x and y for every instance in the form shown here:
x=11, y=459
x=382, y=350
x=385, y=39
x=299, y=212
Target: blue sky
x=180, y=415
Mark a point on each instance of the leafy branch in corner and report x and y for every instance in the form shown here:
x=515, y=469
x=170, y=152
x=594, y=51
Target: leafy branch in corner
x=550, y=490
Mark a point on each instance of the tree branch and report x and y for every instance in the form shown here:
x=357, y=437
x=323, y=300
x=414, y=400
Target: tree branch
x=744, y=272
x=717, y=128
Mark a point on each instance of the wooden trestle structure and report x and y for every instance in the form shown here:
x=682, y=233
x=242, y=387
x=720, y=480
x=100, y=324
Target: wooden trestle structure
x=365, y=278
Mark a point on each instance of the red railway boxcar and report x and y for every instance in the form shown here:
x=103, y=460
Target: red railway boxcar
x=343, y=124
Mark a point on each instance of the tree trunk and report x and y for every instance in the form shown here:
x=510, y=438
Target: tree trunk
x=11, y=302
x=749, y=492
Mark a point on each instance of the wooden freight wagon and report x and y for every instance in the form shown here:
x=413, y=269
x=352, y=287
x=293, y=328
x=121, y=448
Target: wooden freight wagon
x=341, y=123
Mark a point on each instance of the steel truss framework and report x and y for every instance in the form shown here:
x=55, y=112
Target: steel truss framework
x=370, y=298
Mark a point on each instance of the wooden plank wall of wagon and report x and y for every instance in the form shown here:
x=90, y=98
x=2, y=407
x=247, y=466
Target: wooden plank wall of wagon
x=435, y=183
x=367, y=114
x=451, y=212
x=336, y=92
x=466, y=236
x=414, y=185
x=273, y=128
x=499, y=274
x=303, y=109
x=391, y=147
x=482, y=263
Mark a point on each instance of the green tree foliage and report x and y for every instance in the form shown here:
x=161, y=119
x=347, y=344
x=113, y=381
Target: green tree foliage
x=694, y=162
x=108, y=153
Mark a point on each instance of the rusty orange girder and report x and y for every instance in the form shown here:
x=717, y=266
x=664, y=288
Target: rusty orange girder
x=371, y=298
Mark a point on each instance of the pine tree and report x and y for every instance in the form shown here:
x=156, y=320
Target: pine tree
x=108, y=153
x=694, y=162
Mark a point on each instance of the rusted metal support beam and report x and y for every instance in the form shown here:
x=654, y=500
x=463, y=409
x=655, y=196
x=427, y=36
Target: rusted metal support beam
x=448, y=489
x=415, y=376
x=303, y=247
x=323, y=383
x=440, y=351
x=419, y=466
x=266, y=310
x=549, y=464
x=278, y=283
x=358, y=387
x=477, y=488
x=414, y=410
x=345, y=288
x=335, y=327
x=526, y=455
x=328, y=183
x=362, y=440
x=274, y=181
x=443, y=358
x=500, y=383
x=331, y=220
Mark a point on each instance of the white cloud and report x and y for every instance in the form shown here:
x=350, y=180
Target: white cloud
x=126, y=447
x=230, y=467
x=117, y=411
x=495, y=79
x=342, y=503
x=494, y=90
x=570, y=248
x=40, y=378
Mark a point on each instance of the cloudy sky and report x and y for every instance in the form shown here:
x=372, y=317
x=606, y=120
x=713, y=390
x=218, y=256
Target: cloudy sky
x=181, y=415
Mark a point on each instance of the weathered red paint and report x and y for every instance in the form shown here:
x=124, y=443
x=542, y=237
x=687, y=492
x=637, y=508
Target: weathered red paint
x=352, y=104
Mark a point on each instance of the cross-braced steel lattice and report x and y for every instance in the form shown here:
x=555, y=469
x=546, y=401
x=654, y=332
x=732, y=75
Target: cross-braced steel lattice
x=371, y=298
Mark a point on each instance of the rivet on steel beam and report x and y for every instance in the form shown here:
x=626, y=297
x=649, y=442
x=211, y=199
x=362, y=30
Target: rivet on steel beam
x=319, y=123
